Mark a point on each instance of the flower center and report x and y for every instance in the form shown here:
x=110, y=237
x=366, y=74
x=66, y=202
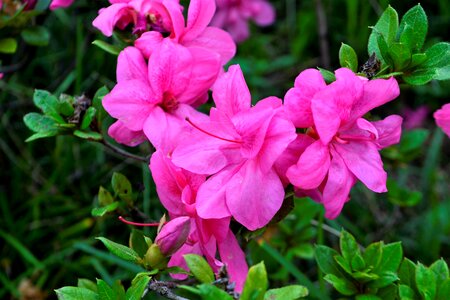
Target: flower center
x=169, y=103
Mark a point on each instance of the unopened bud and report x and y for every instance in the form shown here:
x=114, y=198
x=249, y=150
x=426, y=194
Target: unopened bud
x=154, y=258
x=173, y=235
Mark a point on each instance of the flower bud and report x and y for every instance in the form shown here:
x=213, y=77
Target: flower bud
x=154, y=258
x=173, y=235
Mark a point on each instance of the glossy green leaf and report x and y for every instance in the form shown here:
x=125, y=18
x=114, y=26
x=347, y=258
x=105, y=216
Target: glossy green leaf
x=406, y=293
x=348, y=58
x=343, y=263
x=65, y=105
x=119, y=290
x=120, y=250
x=138, y=286
x=101, y=211
x=111, y=49
x=328, y=76
x=372, y=254
x=386, y=27
x=341, y=285
x=76, y=293
x=137, y=242
x=88, y=135
x=425, y=282
x=104, y=197
x=348, y=245
x=211, y=292
x=400, y=55
x=45, y=126
x=8, y=45
x=36, y=36
x=357, y=262
x=89, y=115
x=48, y=103
x=413, y=28
x=290, y=292
x=325, y=259
x=256, y=283
x=407, y=272
x=444, y=290
x=97, y=103
x=364, y=277
x=199, y=268
x=385, y=279
x=440, y=270
x=88, y=284
x=105, y=292
x=367, y=297
x=391, y=258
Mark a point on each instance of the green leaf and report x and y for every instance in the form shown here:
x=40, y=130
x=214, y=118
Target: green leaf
x=48, y=103
x=328, y=76
x=440, y=269
x=358, y=263
x=406, y=293
x=401, y=196
x=401, y=55
x=389, y=292
x=87, y=284
x=341, y=285
x=121, y=186
x=88, y=135
x=413, y=140
x=407, y=272
x=120, y=250
x=111, y=49
x=45, y=126
x=364, y=277
x=348, y=245
x=343, y=263
x=105, y=292
x=36, y=36
x=290, y=292
x=137, y=242
x=413, y=28
x=101, y=211
x=444, y=290
x=138, y=286
x=199, y=268
x=65, y=105
x=372, y=254
x=119, y=290
x=97, y=103
x=305, y=251
x=386, y=278
x=325, y=259
x=426, y=282
x=76, y=293
x=8, y=45
x=390, y=259
x=368, y=297
x=256, y=283
x=348, y=57
x=417, y=59
x=104, y=196
x=386, y=28
x=211, y=292
x=89, y=115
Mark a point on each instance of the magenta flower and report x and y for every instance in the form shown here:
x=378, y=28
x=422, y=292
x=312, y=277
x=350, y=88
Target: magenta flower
x=238, y=146
x=177, y=190
x=413, y=118
x=195, y=33
x=55, y=4
x=346, y=146
x=154, y=97
x=442, y=117
x=234, y=15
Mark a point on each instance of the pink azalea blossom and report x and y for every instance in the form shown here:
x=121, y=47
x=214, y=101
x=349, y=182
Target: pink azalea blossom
x=442, y=117
x=178, y=190
x=152, y=97
x=346, y=145
x=195, y=33
x=238, y=146
x=55, y=4
x=234, y=15
x=414, y=118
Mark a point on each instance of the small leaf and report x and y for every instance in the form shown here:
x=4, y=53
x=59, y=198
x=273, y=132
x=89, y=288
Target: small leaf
x=386, y=278
x=426, y=282
x=104, y=197
x=209, y=292
x=256, y=283
x=120, y=250
x=138, y=286
x=88, y=135
x=88, y=284
x=101, y=211
x=199, y=268
x=76, y=293
x=417, y=59
x=341, y=285
x=386, y=27
x=348, y=245
x=368, y=297
x=328, y=76
x=121, y=186
x=105, y=292
x=372, y=254
x=89, y=115
x=325, y=259
x=358, y=263
x=119, y=290
x=137, y=242
x=364, y=277
x=413, y=28
x=45, y=126
x=401, y=55
x=65, y=105
x=111, y=49
x=36, y=36
x=407, y=272
x=8, y=45
x=440, y=270
x=406, y=293
x=305, y=251
x=413, y=140
x=348, y=57
x=48, y=103
x=344, y=264
x=390, y=259
x=444, y=290
x=97, y=103
x=290, y=292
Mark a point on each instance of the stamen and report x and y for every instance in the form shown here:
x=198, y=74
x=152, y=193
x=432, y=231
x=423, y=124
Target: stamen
x=122, y=219
x=210, y=134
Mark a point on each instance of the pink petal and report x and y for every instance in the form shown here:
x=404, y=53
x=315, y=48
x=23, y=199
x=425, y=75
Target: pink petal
x=234, y=258
x=239, y=30
x=326, y=116
x=130, y=102
x=121, y=134
x=347, y=90
x=364, y=161
x=57, y=4
x=148, y=42
x=253, y=198
x=177, y=259
x=131, y=65
x=231, y=94
x=389, y=130
x=265, y=14
x=442, y=117
x=337, y=188
x=109, y=16
x=200, y=14
x=216, y=40
x=177, y=18
x=311, y=168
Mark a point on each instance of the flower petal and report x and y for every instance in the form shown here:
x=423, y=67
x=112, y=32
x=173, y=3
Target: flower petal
x=121, y=134
x=200, y=13
x=389, y=131
x=109, y=16
x=442, y=117
x=148, y=42
x=131, y=65
x=234, y=258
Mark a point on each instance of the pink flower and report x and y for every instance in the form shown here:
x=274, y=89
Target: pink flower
x=177, y=190
x=159, y=95
x=442, y=117
x=196, y=33
x=346, y=145
x=234, y=15
x=414, y=118
x=238, y=146
x=60, y=3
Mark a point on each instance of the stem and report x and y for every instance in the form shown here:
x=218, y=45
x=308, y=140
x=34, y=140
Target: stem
x=123, y=152
x=323, y=32
x=163, y=289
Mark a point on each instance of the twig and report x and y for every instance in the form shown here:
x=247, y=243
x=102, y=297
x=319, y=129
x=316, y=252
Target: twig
x=123, y=152
x=163, y=289
x=323, y=31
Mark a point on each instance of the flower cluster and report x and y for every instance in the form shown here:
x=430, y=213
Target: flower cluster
x=235, y=162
